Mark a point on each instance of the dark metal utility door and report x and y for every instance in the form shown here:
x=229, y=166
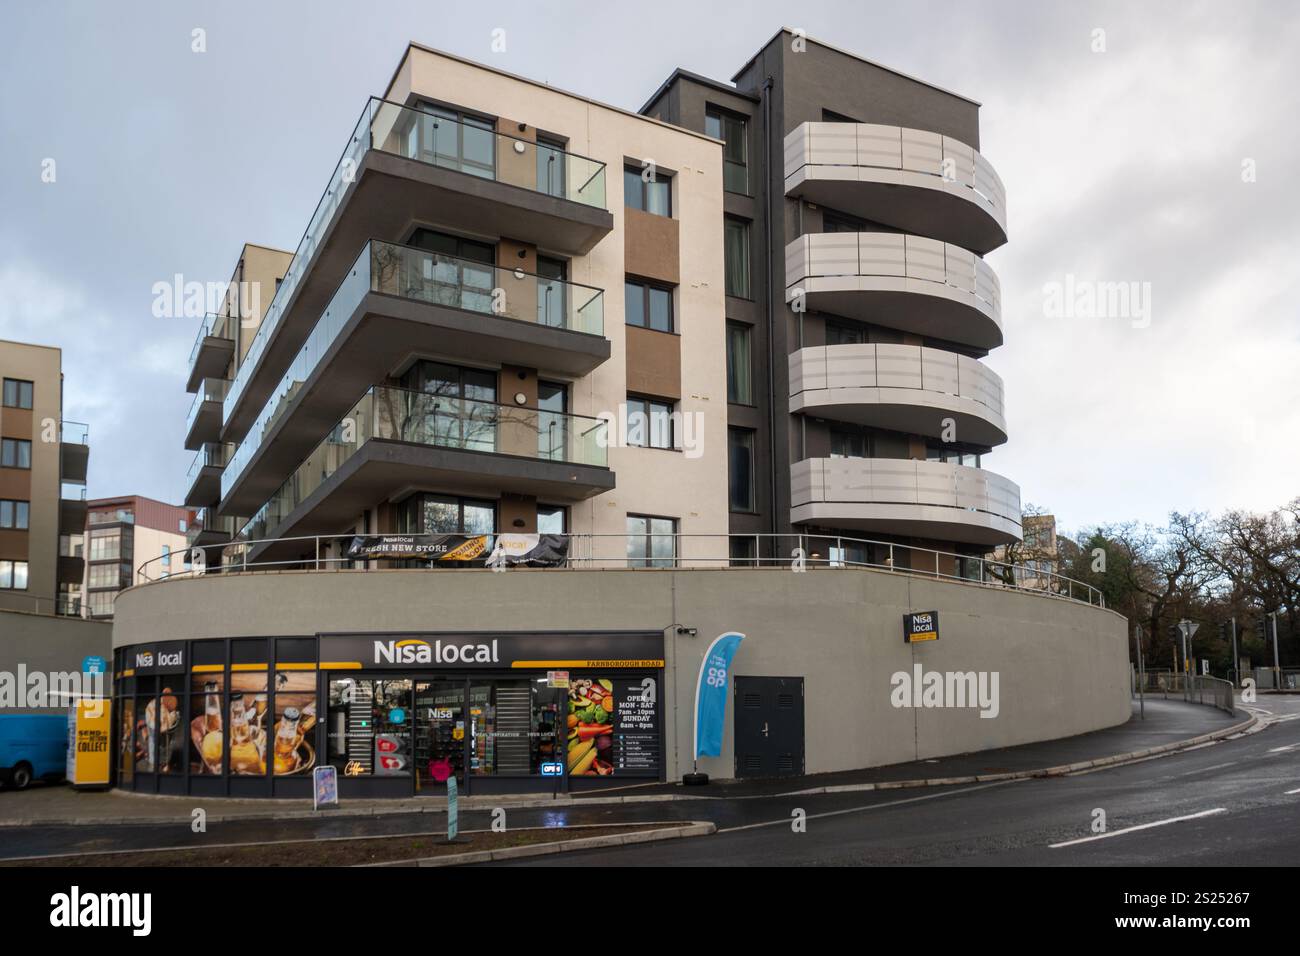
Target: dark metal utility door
x=769, y=726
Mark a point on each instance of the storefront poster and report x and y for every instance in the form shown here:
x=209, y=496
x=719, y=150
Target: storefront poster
x=207, y=743
x=590, y=727
x=293, y=734
x=430, y=547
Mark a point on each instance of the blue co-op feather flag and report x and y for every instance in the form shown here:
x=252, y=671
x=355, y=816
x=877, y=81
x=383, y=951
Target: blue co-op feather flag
x=711, y=694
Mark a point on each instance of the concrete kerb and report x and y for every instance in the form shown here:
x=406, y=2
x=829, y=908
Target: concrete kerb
x=525, y=802
x=562, y=846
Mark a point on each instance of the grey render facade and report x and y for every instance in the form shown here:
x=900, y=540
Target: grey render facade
x=868, y=211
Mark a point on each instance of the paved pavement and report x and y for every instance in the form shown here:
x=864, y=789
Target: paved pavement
x=731, y=811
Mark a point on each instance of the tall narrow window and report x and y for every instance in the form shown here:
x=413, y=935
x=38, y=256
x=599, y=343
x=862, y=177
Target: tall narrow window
x=740, y=389
x=736, y=250
x=730, y=128
x=740, y=468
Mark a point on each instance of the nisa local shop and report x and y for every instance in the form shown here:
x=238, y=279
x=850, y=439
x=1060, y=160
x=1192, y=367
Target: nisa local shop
x=395, y=714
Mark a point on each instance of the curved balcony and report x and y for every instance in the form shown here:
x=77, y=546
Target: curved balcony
x=927, y=499
x=907, y=388
x=910, y=179
x=909, y=283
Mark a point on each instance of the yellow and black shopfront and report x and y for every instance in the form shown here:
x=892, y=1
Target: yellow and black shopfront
x=395, y=713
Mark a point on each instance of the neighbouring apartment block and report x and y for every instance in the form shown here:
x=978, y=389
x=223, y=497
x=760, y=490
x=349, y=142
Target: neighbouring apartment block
x=43, y=464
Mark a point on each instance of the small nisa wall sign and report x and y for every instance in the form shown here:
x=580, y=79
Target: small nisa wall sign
x=920, y=626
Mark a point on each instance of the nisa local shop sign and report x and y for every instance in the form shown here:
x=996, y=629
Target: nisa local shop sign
x=490, y=651
x=921, y=626
x=158, y=659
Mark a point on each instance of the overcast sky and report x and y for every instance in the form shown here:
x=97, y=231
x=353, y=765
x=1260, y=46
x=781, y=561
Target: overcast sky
x=1124, y=165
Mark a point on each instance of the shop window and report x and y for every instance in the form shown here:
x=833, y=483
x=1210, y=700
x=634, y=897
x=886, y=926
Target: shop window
x=249, y=729
x=370, y=727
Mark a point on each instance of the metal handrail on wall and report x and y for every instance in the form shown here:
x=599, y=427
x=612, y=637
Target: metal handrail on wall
x=1194, y=688
x=785, y=551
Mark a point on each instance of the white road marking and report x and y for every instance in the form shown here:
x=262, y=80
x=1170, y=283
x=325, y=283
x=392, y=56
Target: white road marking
x=1144, y=826
x=1279, y=750
x=1289, y=792
x=785, y=821
x=1217, y=766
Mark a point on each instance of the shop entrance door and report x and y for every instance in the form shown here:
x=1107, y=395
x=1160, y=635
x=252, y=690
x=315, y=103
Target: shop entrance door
x=769, y=726
x=440, y=733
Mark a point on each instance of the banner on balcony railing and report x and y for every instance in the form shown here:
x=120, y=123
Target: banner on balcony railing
x=429, y=547
x=535, y=550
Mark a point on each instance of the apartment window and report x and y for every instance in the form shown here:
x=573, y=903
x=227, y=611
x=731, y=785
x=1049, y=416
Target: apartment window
x=742, y=551
x=166, y=556
x=71, y=546
x=17, y=393
x=14, y=514
x=736, y=256
x=100, y=603
x=446, y=514
x=552, y=519
x=730, y=128
x=952, y=456
x=850, y=443
x=104, y=576
x=651, y=541
x=652, y=194
x=740, y=468
x=13, y=575
x=452, y=139
x=740, y=385
x=839, y=222
x=15, y=453
x=842, y=333
x=181, y=525
x=648, y=306
x=649, y=423
x=105, y=544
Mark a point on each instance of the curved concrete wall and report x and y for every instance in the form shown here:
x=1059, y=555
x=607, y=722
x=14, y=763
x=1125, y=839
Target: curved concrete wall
x=1063, y=666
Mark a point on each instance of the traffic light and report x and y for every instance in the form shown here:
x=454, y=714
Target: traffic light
x=1261, y=627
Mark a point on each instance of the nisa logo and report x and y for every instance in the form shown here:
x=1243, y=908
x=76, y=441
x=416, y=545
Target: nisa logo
x=170, y=660
x=415, y=651
x=144, y=659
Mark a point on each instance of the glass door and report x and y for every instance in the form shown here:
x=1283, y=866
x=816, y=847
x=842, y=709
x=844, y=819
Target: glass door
x=552, y=422
x=439, y=732
x=551, y=291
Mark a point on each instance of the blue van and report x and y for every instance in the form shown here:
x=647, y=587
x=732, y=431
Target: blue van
x=32, y=746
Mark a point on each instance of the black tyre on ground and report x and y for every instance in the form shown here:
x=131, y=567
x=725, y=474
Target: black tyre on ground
x=21, y=776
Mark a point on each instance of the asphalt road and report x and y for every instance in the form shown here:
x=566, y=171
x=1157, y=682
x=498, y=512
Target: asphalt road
x=1242, y=797
x=1240, y=785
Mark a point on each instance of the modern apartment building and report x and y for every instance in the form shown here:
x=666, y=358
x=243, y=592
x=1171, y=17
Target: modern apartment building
x=858, y=210
x=123, y=533
x=505, y=315
x=673, y=344
x=43, y=462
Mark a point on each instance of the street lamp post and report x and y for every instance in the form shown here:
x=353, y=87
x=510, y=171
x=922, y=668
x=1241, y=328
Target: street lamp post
x=1277, y=670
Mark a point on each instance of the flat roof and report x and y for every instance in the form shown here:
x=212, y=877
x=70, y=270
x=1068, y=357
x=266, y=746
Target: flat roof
x=30, y=345
x=681, y=74
x=412, y=45
x=860, y=59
